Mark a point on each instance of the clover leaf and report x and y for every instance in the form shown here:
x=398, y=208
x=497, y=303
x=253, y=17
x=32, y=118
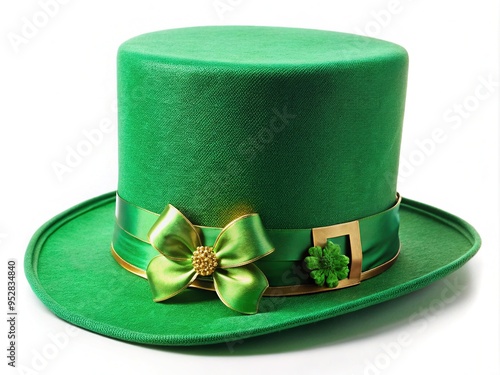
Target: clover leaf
x=327, y=266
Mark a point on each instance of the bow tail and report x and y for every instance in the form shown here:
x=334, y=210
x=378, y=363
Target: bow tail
x=168, y=278
x=241, y=288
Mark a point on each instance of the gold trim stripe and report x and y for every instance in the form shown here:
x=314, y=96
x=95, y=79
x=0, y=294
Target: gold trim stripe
x=273, y=291
x=129, y=267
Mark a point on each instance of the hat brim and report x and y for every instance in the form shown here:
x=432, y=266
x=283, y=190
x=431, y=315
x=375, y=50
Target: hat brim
x=70, y=268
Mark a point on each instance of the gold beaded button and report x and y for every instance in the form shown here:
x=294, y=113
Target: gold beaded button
x=204, y=260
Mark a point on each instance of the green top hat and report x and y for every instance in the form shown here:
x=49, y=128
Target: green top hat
x=253, y=161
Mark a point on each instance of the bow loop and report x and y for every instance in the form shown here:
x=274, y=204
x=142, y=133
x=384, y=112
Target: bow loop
x=173, y=235
x=242, y=241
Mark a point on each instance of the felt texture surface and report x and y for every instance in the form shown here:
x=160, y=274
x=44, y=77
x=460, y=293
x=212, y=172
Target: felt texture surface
x=69, y=266
x=301, y=126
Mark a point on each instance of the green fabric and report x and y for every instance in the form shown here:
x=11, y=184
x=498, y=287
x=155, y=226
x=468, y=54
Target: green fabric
x=379, y=240
x=238, y=283
x=69, y=266
x=301, y=126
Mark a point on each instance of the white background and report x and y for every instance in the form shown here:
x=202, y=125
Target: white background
x=60, y=80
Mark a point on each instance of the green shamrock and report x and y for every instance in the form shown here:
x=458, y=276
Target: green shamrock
x=327, y=265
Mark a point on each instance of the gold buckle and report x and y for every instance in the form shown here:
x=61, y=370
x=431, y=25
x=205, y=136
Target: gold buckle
x=321, y=235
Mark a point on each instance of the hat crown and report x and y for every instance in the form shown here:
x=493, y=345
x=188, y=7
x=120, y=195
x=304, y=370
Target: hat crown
x=301, y=126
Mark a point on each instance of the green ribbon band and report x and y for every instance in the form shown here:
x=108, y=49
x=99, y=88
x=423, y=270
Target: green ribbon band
x=283, y=267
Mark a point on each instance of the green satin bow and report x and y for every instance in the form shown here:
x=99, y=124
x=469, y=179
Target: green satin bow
x=238, y=283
